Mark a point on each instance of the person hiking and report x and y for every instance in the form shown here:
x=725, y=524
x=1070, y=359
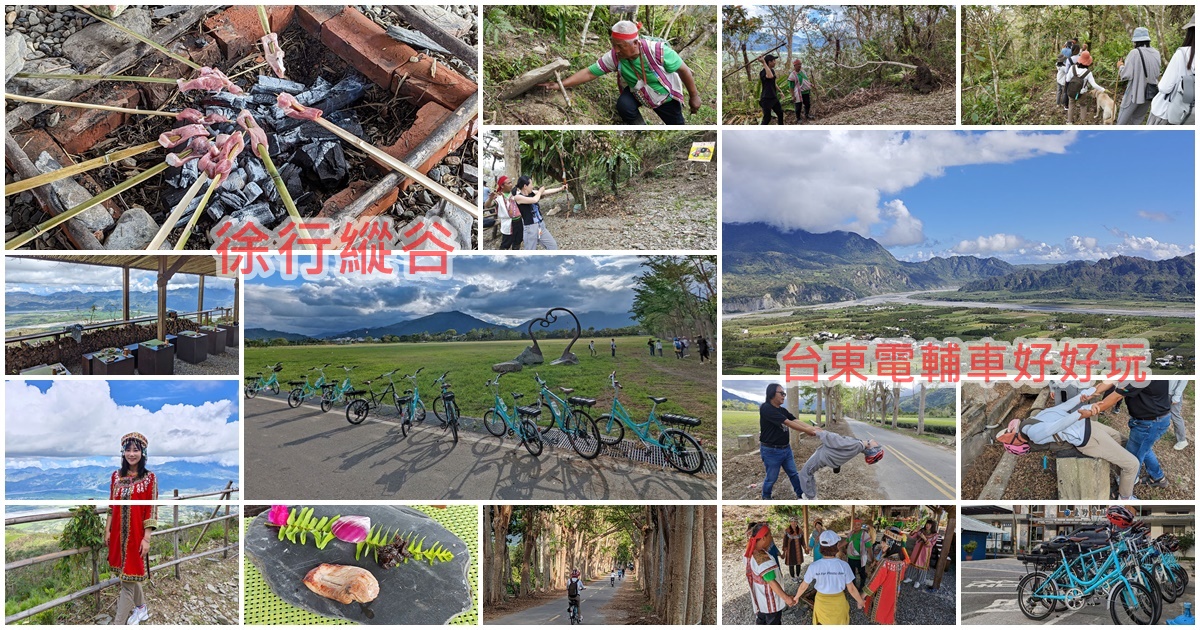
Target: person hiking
x=1149, y=406
x=801, y=91
x=832, y=578
x=678, y=348
x=612, y=344
x=768, y=98
x=1065, y=423
x=535, y=230
x=650, y=343
x=835, y=450
x=508, y=214
x=650, y=74
x=1140, y=69
x=1078, y=80
x=858, y=553
x=774, y=447
x=1064, y=63
x=1175, y=103
x=658, y=346
x=1178, y=424
x=762, y=572
x=574, y=588
x=703, y=344
x=794, y=547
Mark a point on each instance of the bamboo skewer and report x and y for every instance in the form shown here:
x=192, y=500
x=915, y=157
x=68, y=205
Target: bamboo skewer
x=75, y=169
x=177, y=212
x=283, y=193
x=142, y=38
x=107, y=108
x=62, y=217
x=401, y=167
x=94, y=77
x=187, y=230
x=262, y=17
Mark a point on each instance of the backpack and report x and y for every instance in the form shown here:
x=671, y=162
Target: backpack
x=1181, y=100
x=573, y=589
x=1076, y=83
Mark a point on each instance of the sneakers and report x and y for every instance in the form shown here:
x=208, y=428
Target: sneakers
x=837, y=469
x=916, y=586
x=139, y=614
x=1179, y=446
x=1158, y=483
x=907, y=580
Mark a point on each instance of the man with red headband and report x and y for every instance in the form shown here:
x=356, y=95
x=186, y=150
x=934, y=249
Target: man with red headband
x=650, y=74
x=762, y=571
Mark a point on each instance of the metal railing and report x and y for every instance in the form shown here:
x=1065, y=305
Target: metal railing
x=139, y=320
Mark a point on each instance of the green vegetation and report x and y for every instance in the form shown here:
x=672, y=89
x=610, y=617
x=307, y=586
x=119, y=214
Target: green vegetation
x=689, y=386
x=1125, y=277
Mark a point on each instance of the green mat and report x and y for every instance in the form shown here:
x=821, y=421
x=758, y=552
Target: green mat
x=262, y=607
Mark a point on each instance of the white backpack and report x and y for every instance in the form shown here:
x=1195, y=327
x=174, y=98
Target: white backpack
x=1181, y=100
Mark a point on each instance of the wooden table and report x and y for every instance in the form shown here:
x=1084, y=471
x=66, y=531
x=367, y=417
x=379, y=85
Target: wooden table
x=57, y=369
x=231, y=336
x=123, y=365
x=156, y=360
x=192, y=349
x=216, y=339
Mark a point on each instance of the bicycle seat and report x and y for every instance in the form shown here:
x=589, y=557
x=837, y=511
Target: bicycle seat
x=448, y=396
x=517, y=395
x=295, y=383
x=356, y=392
x=566, y=390
x=581, y=401
x=674, y=418
x=408, y=391
x=530, y=411
x=258, y=373
x=657, y=399
x=404, y=400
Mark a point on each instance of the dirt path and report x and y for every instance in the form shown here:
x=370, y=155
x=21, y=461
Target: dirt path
x=897, y=108
x=1044, y=110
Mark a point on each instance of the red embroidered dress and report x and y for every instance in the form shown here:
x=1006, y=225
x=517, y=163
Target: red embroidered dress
x=129, y=524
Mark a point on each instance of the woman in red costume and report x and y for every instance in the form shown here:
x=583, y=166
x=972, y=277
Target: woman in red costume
x=926, y=538
x=127, y=533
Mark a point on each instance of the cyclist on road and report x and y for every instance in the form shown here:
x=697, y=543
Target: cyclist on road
x=574, y=588
x=612, y=578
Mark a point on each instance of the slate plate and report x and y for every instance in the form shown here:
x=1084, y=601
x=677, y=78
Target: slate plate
x=412, y=593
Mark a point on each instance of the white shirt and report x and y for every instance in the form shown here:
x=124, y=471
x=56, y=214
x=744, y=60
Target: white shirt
x=1176, y=70
x=502, y=214
x=1064, y=77
x=829, y=576
x=765, y=600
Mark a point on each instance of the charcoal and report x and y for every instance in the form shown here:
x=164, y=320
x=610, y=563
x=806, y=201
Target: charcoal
x=325, y=161
x=268, y=84
x=256, y=172
x=236, y=102
x=290, y=174
x=230, y=198
x=187, y=214
x=346, y=119
x=222, y=111
x=259, y=211
x=263, y=99
x=216, y=209
x=344, y=94
x=284, y=141
x=183, y=176
x=251, y=191
x=227, y=128
x=235, y=180
x=315, y=93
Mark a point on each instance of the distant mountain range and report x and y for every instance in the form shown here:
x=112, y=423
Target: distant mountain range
x=91, y=482
x=182, y=300
x=728, y=395
x=453, y=320
x=766, y=268
x=942, y=398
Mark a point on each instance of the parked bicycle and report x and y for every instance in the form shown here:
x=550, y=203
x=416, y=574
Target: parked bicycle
x=336, y=394
x=570, y=418
x=445, y=402
x=411, y=409
x=261, y=384
x=303, y=390
x=680, y=449
x=499, y=421
x=366, y=400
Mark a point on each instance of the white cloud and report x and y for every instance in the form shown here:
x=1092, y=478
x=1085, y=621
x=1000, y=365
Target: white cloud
x=905, y=229
x=1159, y=217
x=1073, y=248
x=994, y=244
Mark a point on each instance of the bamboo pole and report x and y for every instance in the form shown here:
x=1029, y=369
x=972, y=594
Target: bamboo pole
x=177, y=212
x=283, y=192
x=94, y=77
x=397, y=165
x=187, y=230
x=75, y=169
x=107, y=108
x=262, y=17
x=142, y=38
x=61, y=217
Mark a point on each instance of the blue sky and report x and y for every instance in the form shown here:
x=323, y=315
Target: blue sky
x=497, y=289
x=71, y=423
x=1025, y=197
x=44, y=277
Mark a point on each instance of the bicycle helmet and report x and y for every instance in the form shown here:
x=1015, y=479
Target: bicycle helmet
x=1012, y=440
x=575, y=573
x=873, y=455
x=1119, y=516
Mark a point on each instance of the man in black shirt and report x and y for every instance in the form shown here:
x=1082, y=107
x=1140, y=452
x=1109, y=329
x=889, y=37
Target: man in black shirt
x=776, y=451
x=1149, y=406
x=768, y=99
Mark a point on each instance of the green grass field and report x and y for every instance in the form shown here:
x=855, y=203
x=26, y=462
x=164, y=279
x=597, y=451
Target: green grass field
x=689, y=386
x=735, y=423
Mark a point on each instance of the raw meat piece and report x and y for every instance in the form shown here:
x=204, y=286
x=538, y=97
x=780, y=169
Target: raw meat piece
x=179, y=135
x=273, y=53
x=343, y=583
x=294, y=109
x=210, y=79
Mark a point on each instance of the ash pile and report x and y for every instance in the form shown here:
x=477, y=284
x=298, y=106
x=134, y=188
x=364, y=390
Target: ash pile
x=309, y=157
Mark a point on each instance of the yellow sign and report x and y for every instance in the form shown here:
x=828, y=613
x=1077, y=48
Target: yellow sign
x=702, y=151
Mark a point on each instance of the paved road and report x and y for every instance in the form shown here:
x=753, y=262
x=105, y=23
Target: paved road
x=593, y=604
x=989, y=597
x=912, y=469
x=304, y=454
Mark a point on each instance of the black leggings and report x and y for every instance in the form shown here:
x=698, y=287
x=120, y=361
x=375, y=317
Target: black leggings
x=807, y=98
x=771, y=106
x=794, y=570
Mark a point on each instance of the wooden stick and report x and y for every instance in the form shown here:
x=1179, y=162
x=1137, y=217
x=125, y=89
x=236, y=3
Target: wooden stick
x=142, y=38
x=75, y=169
x=177, y=212
x=107, y=108
x=57, y=219
x=397, y=165
x=262, y=17
x=283, y=192
x=739, y=68
x=94, y=77
x=187, y=230
x=562, y=87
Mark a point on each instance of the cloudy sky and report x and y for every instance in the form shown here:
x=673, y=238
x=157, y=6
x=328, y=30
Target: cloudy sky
x=44, y=277
x=498, y=289
x=1025, y=197
x=756, y=388
x=77, y=423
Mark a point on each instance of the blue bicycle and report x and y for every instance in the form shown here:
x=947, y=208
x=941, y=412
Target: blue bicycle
x=570, y=418
x=680, y=449
x=336, y=394
x=412, y=410
x=302, y=390
x=499, y=421
x=259, y=383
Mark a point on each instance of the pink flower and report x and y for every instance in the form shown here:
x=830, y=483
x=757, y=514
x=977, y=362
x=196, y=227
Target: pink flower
x=278, y=516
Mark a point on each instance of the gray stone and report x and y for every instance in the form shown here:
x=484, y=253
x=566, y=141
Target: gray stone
x=39, y=63
x=531, y=355
x=14, y=55
x=34, y=19
x=470, y=173
x=134, y=230
x=72, y=194
x=252, y=191
x=100, y=42
x=103, y=620
x=213, y=588
x=507, y=367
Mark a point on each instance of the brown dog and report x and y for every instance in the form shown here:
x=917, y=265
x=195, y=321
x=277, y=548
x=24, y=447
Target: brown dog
x=1106, y=106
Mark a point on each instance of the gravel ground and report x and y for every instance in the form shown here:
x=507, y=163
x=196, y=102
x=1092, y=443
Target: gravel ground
x=45, y=27
x=224, y=364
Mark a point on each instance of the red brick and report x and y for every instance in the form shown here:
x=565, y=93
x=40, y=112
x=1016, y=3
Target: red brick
x=79, y=129
x=311, y=17
x=206, y=54
x=35, y=141
x=448, y=88
x=238, y=29
x=335, y=204
x=365, y=45
x=429, y=118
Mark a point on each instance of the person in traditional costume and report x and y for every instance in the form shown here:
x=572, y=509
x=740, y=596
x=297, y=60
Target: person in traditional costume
x=794, y=548
x=127, y=532
x=926, y=538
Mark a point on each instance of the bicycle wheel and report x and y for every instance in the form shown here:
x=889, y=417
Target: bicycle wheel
x=583, y=434
x=452, y=419
x=1167, y=588
x=1140, y=576
x=1181, y=576
x=493, y=423
x=1030, y=592
x=1131, y=603
x=532, y=438
x=295, y=398
x=357, y=411
x=439, y=409
x=611, y=430
x=419, y=415
x=402, y=420
x=275, y=388
x=545, y=421
x=682, y=451
x=326, y=403
x=251, y=392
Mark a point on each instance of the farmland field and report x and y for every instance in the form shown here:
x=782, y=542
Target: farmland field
x=689, y=386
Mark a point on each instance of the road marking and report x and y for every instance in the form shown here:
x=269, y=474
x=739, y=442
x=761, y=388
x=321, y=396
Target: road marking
x=369, y=419
x=933, y=480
